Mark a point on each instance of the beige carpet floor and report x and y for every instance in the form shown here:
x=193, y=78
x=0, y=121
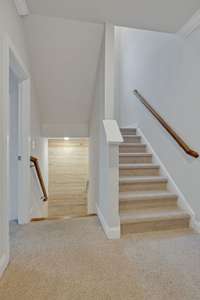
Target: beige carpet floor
x=72, y=260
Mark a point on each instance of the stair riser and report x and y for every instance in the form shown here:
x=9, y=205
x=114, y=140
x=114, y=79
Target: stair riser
x=169, y=224
x=139, y=172
x=128, y=131
x=135, y=160
x=132, y=139
x=142, y=186
x=132, y=149
x=131, y=205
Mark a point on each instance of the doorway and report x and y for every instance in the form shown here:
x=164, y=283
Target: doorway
x=68, y=177
x=15, y=163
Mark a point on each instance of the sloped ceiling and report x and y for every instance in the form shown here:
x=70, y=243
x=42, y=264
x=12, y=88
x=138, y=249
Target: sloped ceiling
x=64, y=56
x=64, y=39
x=160, y=15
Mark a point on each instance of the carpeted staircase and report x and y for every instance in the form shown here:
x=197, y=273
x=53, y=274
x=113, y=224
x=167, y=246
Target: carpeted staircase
x=146, y=203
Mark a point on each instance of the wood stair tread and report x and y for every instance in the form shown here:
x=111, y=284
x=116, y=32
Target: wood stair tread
x=128, y=131
x=131, y=135
x=128, y=128
x=148, y=195
x=145, y=203
x=132, y=144
x=139, y=166
x=142, y=179
x=146, y=154
x=152, y=214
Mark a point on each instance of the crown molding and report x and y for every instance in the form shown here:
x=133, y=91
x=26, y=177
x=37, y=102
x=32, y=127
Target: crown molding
x=190, y=26
x=21, y=7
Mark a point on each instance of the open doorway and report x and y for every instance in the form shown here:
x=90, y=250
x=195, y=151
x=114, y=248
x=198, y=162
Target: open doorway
x=14, y=146
x=68, y=177
x=18, y=139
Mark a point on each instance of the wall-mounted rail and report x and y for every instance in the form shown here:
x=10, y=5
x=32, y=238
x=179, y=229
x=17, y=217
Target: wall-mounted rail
x=35, y=162
x=169, y=129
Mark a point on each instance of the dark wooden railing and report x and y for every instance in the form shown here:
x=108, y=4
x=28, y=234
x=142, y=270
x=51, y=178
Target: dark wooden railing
x=35, y=162
x=177, y=138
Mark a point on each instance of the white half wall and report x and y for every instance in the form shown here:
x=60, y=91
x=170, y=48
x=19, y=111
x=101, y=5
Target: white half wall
x=165, y=69
x=103, y=157
x=95, y=131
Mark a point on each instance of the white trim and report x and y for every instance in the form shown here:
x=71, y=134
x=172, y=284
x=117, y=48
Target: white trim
x=182, y=201
x=190, y=26
x=112, y=131
x=4, y=261
x=112, y=233
x=24, y=207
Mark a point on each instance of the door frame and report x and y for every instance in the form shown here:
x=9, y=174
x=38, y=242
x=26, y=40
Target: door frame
x=11, y=59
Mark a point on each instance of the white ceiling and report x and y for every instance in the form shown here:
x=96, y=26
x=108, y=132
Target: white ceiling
x=160, y=15
x=64, y=56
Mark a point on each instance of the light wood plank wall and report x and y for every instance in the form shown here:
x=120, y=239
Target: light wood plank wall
x=68, y=177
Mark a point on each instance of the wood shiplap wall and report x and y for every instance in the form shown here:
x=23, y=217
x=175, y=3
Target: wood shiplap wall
x=68, y=176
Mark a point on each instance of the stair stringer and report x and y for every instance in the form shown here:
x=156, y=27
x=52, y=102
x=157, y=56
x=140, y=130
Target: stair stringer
x=182, y=201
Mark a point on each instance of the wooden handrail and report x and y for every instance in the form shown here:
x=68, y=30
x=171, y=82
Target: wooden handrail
x=177, y=138
x=34, y=160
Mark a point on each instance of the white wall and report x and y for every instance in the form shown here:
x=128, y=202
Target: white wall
x=39, y=149
x=39, y=208
x=95, y=132
x=166, y=70
x=103, y=157
x=14, y=125
x=64, y=57
x=11, y=24
x=109, y=71
x=99, y=150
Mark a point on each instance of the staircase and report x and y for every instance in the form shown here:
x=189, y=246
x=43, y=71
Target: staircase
x=146, y=203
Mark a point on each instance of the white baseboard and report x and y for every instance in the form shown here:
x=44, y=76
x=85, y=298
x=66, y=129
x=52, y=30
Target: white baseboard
x=112, y=233
x=182, y=202
x=4, y=260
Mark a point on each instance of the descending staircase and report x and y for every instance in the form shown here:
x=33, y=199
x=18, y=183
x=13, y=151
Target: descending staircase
x=146, y=203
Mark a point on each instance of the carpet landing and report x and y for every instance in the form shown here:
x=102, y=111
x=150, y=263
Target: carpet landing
x=73, y=260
